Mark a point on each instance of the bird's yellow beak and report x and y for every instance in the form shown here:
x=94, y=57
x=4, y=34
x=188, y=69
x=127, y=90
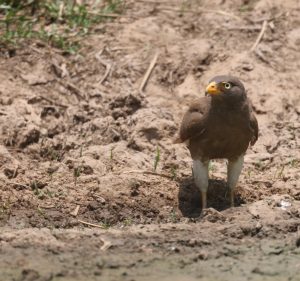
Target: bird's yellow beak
x=213, y=89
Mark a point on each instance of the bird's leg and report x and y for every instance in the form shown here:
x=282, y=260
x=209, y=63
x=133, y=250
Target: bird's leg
x=204, y=199
x=200, y=172
x=234, y=169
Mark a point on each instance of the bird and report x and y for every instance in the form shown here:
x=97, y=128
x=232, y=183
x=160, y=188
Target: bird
x=219, y=125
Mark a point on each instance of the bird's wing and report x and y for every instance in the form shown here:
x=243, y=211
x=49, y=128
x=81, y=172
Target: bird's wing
x=193, y=121
x=253, y=126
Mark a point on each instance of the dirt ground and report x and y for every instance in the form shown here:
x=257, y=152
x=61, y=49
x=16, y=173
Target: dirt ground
x=76, y=148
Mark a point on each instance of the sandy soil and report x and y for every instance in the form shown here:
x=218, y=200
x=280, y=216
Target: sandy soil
x=76, y=148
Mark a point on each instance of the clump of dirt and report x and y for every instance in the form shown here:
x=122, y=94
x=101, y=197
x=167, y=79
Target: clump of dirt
x=80, y=144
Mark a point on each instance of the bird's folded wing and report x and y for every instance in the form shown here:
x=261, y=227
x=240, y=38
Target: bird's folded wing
x=193, y=122
x=254, y=127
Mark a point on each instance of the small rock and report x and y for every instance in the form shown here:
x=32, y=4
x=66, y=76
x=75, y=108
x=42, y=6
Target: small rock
x=175, y=249
x=284, y=204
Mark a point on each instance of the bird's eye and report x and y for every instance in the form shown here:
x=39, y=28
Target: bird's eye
x=227, y=85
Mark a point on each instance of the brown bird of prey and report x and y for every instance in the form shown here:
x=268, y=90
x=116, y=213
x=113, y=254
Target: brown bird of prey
x=219, y=125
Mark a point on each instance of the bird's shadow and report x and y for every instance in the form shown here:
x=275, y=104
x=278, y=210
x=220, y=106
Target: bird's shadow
x=189, y=197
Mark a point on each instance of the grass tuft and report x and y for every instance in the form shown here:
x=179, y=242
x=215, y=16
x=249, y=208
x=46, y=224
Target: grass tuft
x=76, y=173
x=60, y=23
x=157, y=158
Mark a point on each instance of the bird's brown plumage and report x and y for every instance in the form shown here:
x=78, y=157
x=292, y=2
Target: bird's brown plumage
x=220, y=126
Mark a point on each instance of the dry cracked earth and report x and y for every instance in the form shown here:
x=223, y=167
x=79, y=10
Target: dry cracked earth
x=79, y=143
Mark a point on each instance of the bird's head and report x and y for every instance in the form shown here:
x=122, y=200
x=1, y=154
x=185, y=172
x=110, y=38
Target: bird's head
x=227, y=87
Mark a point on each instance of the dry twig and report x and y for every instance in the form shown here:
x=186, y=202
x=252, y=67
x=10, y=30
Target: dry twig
x=91, y=224
x=148, y=173
x=46, y=207
x=61, y=11
x=18, y=184
x=267, y=18
x=242, y=28
x=53, y=102
x=260, y=35
x=73, y=89
x=107, y=65
x=148, y=73
x=261, y=56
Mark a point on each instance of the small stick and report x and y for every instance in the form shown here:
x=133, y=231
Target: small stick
x=260, y=35
x=61, y=11
x=267, y=18
x=261, y=56
x=250, y=28
x=91, y=224
x=20, y=184
x=15, y=172
x=3, y=112
x=53, y=102
x=107, y=65
x=46, y=207
x=36, y=50
x=148, y=73
x=148, y=173
x=221, y=13
x=75, y=90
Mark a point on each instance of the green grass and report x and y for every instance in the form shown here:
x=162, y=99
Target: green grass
x=60, y=23
x=5, y=208
x=111, y=156
x=174, y=173
x=128, y=222
x=173, y=216
x=156, y=159
x=105, y=224
x=76, y=173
